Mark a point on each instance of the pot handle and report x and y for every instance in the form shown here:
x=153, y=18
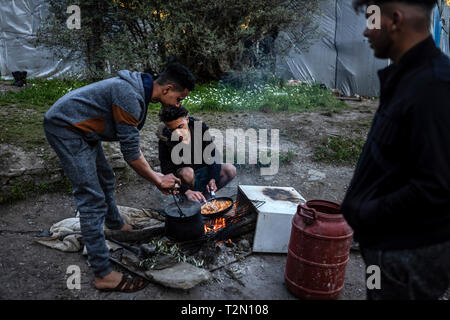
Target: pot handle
x=309, y=214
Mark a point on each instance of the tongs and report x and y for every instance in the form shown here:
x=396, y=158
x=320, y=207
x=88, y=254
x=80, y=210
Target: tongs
x=182, y=215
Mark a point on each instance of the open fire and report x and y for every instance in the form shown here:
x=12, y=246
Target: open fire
x=215, y=225
x=233, y=217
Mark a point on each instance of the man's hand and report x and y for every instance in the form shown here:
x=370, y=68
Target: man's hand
x=211, y=186
x=164, y=183
x=195, y=196
x=167, y=183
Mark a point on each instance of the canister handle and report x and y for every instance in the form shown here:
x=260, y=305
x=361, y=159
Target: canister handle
x=308, y=218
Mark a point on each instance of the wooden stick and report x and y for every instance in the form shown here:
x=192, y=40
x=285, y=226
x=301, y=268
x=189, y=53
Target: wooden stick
x=136, y=235
x=349, y=99
x=234, y=261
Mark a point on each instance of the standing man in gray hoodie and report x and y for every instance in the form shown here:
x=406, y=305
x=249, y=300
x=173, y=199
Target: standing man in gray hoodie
x=109, y=110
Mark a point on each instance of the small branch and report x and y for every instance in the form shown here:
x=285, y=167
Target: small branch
x=20, y=231
x=136, y=235
x=234, y=261
x=349, y=98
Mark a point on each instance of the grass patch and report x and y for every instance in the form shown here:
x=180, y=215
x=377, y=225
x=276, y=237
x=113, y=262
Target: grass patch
x=41, y=94
x=20, y=190
x=268, y=98
x=339, y=150
x=286, y=158
x=22, y=112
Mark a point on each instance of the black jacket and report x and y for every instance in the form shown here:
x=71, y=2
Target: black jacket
x=399, y=196
x=165, y=150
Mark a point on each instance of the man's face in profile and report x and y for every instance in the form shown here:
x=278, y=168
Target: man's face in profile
x=379, y=38
x=172, y=97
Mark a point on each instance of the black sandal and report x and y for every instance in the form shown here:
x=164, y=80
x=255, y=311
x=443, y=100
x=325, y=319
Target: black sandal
x=129, y=284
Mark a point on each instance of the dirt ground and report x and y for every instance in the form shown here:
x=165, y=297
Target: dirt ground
x=32, y=271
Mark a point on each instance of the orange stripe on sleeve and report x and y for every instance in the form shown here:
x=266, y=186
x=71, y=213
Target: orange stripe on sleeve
x=121, y=116
x=92, y=125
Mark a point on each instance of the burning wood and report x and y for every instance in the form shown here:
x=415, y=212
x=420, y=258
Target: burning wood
x=241, y=219
x=215, y=225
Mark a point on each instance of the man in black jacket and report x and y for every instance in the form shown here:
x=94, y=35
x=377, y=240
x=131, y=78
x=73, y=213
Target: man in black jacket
x=199, y=172
x=398, y=202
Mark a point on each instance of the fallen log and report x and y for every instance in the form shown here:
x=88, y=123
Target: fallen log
x=144, y=234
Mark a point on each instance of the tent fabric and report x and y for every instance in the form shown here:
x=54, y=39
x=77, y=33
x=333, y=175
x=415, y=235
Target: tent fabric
x=341, y=57
x=437, y=27
x=441, y=26
x=19, y=22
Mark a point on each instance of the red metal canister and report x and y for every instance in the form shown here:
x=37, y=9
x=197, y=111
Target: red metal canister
x=319, y=248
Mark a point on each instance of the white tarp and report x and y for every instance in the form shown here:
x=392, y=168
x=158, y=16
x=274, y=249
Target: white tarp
x=342, y=58
x=19, y=22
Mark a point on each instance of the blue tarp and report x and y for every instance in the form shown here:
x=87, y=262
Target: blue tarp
x=437, y=27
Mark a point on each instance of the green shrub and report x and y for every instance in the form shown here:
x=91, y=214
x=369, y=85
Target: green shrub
x=339, y=150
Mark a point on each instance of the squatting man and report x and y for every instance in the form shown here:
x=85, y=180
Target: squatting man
x=184, y=152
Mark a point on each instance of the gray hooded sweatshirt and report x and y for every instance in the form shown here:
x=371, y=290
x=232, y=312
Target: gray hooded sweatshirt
x=109, y=110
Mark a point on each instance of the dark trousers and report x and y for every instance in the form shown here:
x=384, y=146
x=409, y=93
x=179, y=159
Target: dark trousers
x=413, y=274
x=93, y=184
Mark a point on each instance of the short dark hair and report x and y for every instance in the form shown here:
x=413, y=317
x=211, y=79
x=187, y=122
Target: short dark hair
x=177, y=75
x=167, y=114
x=425, y=4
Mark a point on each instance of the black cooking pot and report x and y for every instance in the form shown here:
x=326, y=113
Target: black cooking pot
x=186, y=226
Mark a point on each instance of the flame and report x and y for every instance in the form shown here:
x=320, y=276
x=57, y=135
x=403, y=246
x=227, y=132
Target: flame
x=235, y=215
x=223, y=241
x=216, y=225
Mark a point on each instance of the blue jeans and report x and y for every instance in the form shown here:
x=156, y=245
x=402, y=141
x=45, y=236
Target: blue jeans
x=93, y=184
x=202, y=178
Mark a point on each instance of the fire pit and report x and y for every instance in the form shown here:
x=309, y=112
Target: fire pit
x=239, y=220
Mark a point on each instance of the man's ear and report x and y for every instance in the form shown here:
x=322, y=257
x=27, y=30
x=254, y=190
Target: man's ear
x=397, y=20
x=166, y=88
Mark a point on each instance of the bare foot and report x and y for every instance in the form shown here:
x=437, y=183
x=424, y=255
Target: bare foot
x=112, y=280
x=126, y=227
